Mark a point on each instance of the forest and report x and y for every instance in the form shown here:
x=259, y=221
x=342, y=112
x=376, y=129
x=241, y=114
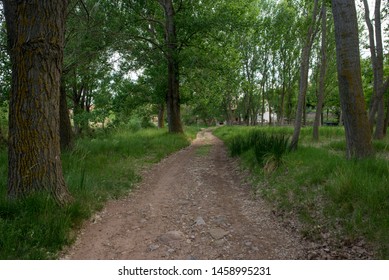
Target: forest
x=94, y=91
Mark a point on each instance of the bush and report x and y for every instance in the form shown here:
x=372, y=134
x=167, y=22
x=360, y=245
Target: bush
x=134, y=124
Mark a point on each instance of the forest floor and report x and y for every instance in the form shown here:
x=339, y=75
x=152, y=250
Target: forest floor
x=194, y=204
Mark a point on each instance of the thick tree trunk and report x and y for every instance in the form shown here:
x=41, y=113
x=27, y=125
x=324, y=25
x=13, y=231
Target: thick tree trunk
x=357, y=127
x=304, y=69
x=323, y=68
x=173, y=96
x=173, y=100
x=65, y=127
x=35, y=37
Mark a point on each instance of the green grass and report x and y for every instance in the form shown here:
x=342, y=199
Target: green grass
x=268, y=146
x=326, y=191
x=98, y=169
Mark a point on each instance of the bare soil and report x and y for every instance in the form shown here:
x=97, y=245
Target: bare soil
x=195, y=204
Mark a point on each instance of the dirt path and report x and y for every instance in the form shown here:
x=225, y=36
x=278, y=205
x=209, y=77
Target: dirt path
x=192, y=205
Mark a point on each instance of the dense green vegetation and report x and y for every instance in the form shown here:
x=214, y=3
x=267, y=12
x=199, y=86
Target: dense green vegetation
x=328, y=193
x=103, y=167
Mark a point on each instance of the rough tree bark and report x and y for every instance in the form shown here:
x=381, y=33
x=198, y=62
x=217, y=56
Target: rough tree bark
x=357, y=127
x=304, y=69
x=323, y=68
x=35, y=32
x=173, y=96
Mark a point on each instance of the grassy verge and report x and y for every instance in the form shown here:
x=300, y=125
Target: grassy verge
x=331, y=196
x=96, y=170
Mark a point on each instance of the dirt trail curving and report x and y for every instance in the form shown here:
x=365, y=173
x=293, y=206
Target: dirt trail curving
x=192, y=205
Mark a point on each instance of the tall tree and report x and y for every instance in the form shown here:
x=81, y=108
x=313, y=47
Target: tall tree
x=377, y=60
x=172, y=49
x=304, y=70
x=357, y=127
x=323, y=68
x=35, y=32
x=285, y=27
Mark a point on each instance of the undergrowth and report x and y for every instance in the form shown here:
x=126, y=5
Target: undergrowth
x=97, y=169
x=268, y=148
x=324, y=190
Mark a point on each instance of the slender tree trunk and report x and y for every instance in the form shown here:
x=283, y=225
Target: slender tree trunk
x=161, y=115
x=65, y=127
x=385, y=89
x=373, y=58
x=270, y=117
x=357, y=127
x=263, y=109
x=304, y=69
x=323, y=68
x=173, y=96
x=229, y=113
x=377, y=106
x=282, y=114
x=379, y=130
x=35, y=39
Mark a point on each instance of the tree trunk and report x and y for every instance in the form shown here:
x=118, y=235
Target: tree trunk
x=373, y=58
x=304, y=69
x=323, y=68
x=385, y=89
x=270, y=117
x=379, y=130
x=65, y=127
x=173, y=96
x=377, y=107
x=263, y=109
x=35, y=32
x=161, y=115
x=357, y=127
x=282, y=109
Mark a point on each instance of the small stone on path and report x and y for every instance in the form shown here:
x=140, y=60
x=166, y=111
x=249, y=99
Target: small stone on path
x=199, y=221
x=153, y=247
x=170, y=236
x=217, y=233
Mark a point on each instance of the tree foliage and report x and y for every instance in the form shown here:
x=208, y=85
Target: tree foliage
x=221, y=61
